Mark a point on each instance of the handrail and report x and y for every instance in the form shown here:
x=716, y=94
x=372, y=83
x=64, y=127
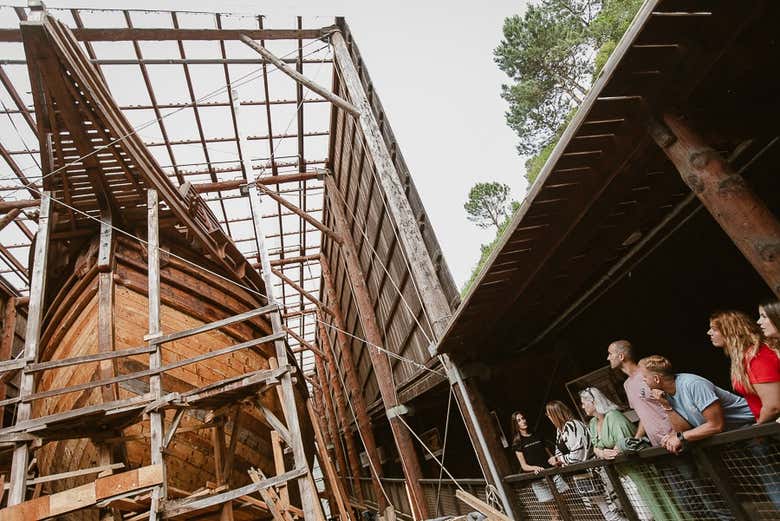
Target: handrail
x=723, y=438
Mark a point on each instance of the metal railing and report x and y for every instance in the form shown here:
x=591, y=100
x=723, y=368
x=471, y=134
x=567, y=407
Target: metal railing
x=731, y=476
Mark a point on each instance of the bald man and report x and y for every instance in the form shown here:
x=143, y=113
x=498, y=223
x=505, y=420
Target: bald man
x=656, y=417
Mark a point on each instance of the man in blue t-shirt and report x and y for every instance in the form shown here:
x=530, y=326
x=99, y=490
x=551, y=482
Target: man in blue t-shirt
x=708, y=408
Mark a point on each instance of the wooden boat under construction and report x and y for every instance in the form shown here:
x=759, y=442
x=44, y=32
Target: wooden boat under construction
x=152, y=344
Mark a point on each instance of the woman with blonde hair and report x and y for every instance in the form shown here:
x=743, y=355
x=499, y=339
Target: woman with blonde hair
x=755, y=364
x=609, y=428
x=573, y=445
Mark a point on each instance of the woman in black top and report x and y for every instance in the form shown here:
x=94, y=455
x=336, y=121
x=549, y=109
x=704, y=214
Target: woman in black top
x=532, y=454
x=529, y=449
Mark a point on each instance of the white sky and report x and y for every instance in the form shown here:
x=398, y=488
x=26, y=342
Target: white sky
x=432, y=64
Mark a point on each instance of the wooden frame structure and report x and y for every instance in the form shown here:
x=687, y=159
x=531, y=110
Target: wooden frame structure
x=271, y=207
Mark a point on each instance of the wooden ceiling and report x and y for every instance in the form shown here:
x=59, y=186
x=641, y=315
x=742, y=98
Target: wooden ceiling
x=608, y=194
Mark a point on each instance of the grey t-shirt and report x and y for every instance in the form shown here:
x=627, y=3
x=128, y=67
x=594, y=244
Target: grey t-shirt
x=694, y=394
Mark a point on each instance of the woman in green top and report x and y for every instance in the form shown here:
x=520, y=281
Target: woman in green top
x=608, y=428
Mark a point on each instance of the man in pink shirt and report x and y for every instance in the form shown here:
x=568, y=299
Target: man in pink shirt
x=656, y=417
x=656, y=420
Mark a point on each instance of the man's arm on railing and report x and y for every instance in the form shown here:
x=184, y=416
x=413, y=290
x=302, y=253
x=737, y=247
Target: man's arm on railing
x=713, y=424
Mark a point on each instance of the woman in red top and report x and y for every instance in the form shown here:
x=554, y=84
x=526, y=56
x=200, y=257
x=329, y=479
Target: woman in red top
x=755, y=364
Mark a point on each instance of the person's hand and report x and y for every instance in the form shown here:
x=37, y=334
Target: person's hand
x=658, y=396
x=609, y=453
x=553, y=461
x=672, y=443
x=535, y=469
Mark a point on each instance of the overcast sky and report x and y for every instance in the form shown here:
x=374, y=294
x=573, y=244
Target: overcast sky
x=432, y=65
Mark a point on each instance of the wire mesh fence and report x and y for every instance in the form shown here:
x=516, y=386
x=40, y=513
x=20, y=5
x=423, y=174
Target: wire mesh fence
x=732, y=476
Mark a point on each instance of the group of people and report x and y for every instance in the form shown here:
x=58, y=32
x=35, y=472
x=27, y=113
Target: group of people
x=673, y=410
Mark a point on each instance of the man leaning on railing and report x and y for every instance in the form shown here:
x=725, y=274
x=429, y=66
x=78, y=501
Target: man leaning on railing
x=705, y=406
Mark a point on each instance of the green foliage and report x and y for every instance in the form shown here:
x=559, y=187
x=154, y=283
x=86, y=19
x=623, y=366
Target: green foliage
x=488, y=204
x=545, y=53
x=486, y=249
x=551, y=54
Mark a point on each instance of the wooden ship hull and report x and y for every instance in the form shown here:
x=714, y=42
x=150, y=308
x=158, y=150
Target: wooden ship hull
x=191, y=296
x=153, y=350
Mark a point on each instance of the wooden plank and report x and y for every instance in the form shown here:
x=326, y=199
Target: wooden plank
x=300, y=213
x=76, y=360
x=183, y=506
x=335, y=484
x=217, y=324
x=118, y=34
x=105, y=331
x=152, y=372
x=479, y=505
x=156, y=426
x=407, y=453
x=84, y=496
x=72, y=474
x=20, y=456
x=300, y=78
x=278, y=451
x=269, y=501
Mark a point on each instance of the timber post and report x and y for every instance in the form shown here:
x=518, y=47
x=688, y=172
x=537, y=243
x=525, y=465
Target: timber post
x=362, y=420
x=155, y=357
x=384, y=376
x=21, y=454
x=7, y=344
x=739, y=211
x=310, y=502
x=482, y=432
x=329, y=409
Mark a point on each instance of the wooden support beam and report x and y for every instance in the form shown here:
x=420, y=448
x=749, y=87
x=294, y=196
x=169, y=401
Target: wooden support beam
x=73, y=474
x=357, y=400
x=300, y=213
x=121, y=34
x=309, y=499
x=9, y=217
x=481, y=429
x=278, y=450
x=407, y=452
x=6, y=343
x=480, y=506
x=20, y=456
x=6, y=206
x=335, y=484
x=307, y=345
x=294, y=260
x=84, y=496
x=297, y=287
x=300, y=78
x=105, y=333
x=331, y=390
x=156, y=427
x=741, y=213
x=183, y=506
x=235, y=184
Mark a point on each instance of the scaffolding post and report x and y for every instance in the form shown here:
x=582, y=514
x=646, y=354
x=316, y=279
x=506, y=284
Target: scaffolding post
x=155, y=357
x=309, y=498
x=21, y=454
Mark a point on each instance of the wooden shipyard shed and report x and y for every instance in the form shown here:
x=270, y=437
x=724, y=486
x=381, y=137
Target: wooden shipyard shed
x=221, y=291
x=223, y=299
